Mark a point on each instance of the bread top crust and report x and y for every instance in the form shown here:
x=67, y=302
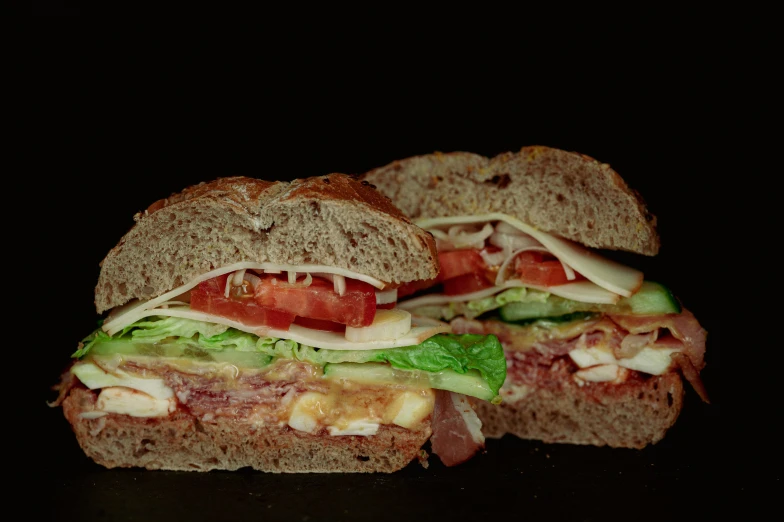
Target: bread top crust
x=564, y=193
x=332, y=220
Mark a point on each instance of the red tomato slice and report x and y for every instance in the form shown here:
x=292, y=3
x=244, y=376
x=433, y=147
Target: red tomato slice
x=319, y=324
x=388, y=306
x=413, y=287
x=538, y=268
x=209, y=297
x=459, y=262
x=356, y=308
x=465, y=284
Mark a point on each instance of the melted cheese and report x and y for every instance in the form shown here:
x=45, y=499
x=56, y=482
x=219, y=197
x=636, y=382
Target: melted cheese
x=126, y=401
x=94, y=377
x=349, y=409
x=614, y=277
x=654, y=361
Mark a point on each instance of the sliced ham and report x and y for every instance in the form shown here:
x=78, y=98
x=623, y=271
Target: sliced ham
x=682, y=326
x=457, y=431
x=532, y=348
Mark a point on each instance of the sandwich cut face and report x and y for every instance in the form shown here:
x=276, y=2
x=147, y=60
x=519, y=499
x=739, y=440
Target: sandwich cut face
x=590, y=344
x=256, y=324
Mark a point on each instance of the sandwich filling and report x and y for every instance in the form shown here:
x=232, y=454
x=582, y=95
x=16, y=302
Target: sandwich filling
x=306, y=348
x=561, y=310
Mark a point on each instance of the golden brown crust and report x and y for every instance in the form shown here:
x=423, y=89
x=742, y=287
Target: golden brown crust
x=343, y=223
x=240, y=189
x=564, y=193
x=341, y=187
x=182, y=442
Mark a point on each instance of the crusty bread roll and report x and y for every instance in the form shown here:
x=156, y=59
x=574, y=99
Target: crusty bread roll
x=576, y=197
x=631, y=415
x=564, y=193
x=218, y=415
x=328, y=220
x=181, y=442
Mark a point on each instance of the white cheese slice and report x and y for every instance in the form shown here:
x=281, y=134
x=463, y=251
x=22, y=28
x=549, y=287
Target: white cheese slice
x=362, y=427
x=412, y=408
x=134, y=403
x=302, y=335
x=608, y=274
x=132, y=312
x=654, y=361
x=309, y=409
x=582, y=291
x=94, y=377
x=602, y=373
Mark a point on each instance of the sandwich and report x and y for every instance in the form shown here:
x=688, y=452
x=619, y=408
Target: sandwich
x=248, y=323
x=597, y=354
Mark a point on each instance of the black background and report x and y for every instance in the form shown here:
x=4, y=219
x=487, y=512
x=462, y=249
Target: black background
x=111, y=137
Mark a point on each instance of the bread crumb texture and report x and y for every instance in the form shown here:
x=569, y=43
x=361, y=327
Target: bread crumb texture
x=564, y=193
x=334, y=220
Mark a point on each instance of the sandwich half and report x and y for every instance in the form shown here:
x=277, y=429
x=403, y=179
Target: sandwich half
x=255, y=324
x=596, y=353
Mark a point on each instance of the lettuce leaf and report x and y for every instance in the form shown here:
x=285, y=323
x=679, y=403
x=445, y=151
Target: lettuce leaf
x=455, y=352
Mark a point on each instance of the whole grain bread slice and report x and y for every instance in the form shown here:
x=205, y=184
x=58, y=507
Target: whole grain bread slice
x=564, y=193
x=181, y=442
x=331, y=220
x=627, y=415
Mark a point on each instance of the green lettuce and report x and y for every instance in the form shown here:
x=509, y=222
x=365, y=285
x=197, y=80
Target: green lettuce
x=172, y=336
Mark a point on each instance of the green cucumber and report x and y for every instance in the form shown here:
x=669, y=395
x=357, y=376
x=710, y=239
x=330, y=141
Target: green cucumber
x=469, y=383
x=167, y=349
x=651, y=299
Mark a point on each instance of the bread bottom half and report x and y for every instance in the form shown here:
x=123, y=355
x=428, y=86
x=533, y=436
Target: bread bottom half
x=626, y=415
x=182, y=442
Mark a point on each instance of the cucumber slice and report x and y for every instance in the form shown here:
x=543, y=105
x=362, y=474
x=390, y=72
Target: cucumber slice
x=237, y=358
x=469, y=383
x=651, y=299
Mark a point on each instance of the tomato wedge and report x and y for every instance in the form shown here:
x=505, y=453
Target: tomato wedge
x=538, y=268
x=466, y=284
x=320, y=324
x=209, y=297
x=456, y=263
x=413, y=287
x=356, y=308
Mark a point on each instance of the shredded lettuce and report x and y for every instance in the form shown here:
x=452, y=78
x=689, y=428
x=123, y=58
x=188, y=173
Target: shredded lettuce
x=171, y=336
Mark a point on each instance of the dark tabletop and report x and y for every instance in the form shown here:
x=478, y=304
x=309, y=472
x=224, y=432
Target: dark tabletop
x=108, y=147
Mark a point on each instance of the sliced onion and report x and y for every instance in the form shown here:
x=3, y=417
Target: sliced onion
x=228, y=286
x=292, y=277
x=512, y=241
x=236, y=279
x=271, y=271
x=338, y=282
x=460, y=236
x=500, y=278
x=493, y=259
x=253, y=279
x=387, y=324
x=386, y=297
